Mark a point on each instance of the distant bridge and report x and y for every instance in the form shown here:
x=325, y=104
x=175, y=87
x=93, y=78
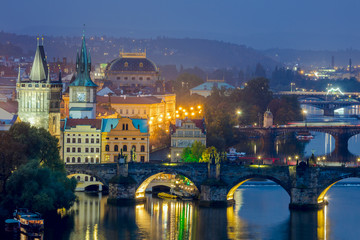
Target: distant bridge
x=341, y=134
x=329, y=107
x=217, y=183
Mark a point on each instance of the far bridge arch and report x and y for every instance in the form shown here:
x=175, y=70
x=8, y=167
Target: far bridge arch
x=242, y=180
x=147, y=179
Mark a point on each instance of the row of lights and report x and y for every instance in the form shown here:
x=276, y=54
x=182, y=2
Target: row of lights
x=188, y=112
x=160, y=119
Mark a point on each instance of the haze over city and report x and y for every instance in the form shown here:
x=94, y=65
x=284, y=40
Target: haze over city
x=261, y=24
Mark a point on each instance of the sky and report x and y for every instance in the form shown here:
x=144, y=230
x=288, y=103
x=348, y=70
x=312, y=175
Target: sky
x=261, y=24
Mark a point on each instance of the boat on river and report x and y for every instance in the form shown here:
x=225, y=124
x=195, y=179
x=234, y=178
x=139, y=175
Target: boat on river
x=304, y=136
x=12, y=225
x=31, y=224
x=167, y=195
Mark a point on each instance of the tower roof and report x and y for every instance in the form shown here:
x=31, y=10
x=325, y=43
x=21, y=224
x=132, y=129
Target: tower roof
x=83, y=68
x=39, y=69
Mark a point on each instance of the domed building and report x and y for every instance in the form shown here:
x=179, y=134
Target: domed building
x=133, y=70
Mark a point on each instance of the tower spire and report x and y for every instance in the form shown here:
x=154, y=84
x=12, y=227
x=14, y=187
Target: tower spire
x=48, y=76
x=60, y=74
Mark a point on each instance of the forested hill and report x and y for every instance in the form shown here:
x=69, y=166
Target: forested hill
x=207, y=54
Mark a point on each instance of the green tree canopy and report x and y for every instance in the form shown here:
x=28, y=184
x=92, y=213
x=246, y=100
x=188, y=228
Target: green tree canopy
x=193, y=153
x=39, y=188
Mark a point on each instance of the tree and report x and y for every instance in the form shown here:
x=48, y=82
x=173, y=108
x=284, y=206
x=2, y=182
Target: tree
x=11, y=157
x=193, y=153
x=260, y=71
x=206, y=154
x=39, y=188
x=38, y=144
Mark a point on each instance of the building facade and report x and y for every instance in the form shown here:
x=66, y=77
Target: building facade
x=82, y=91
x=124, y=135
x=39, y=97
x=183, y=134
x=133, y=70
x=81, y=141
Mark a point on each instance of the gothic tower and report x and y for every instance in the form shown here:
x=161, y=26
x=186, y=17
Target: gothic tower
x=38, y=97
x=82, y=102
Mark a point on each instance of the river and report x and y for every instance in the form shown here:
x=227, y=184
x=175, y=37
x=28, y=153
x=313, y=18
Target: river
x=261, y=212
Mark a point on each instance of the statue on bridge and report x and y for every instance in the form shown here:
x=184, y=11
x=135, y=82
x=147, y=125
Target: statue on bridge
x=132, y=155
x=121, y=157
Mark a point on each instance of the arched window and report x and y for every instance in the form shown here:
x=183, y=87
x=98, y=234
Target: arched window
x=91, y=179
x=86, y=159
x=127, y=126
x=86, y=178
x=79, y=159
x=125, y=148
x=126, y=64
x=142, y=148
x=73, y=160
x=78, y=178
x=92, y=160
x=116, y=148
x=123, y=127
x=68, y=159
x=97, y=160
x=141, y=65
x=133, y=148
x=107, y=148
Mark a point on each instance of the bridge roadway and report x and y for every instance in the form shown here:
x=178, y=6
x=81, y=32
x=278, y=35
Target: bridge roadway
x=341, y=134
x=217, y=183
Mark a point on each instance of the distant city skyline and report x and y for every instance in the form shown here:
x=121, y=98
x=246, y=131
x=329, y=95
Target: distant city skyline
x=261, y=24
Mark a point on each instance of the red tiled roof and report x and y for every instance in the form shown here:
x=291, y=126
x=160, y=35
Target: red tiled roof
x=129, y=100
x=10, y=106
x=94, y=123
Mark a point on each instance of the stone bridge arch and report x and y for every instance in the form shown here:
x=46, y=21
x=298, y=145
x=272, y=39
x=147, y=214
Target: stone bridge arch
x=232, y=188
x=88, y=173
x=326, y=183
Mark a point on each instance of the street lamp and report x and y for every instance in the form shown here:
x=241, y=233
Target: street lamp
x=304, y=117
x=291, y=84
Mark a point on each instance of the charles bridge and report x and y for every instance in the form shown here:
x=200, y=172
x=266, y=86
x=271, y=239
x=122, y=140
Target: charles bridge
x=216, y=183
x=341, y=134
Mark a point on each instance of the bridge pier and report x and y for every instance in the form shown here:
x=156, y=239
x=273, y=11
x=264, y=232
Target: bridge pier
x=304, y=194
x=122, y=188
x=341, y=151
x=268, y=149
x=214, y=191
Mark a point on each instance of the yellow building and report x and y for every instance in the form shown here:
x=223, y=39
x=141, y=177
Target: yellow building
x=81, y=141
x=124, y=134
x=157, y=109
x=184, y=133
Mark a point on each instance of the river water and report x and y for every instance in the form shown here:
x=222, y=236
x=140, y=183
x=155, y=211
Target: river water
x=261, y=212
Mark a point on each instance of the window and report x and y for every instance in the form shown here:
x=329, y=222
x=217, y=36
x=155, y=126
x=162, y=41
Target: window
x=133, y=111
x=116, y=148
x=79, y=150
x=107, y=148
x=126, y=64
x=127, y=111
x=73, y=160
x=97, y=160
x=73, y=149
x=92, y=140
x=126, y=78
x=91, y=179
x=79, y=160
x=133, y=78
x=86, y=178
x=125, y=138
x=97, y=140
x=133, y=148
x=68, y=140
x=125, y=148
x=68, y=159
x=141, y=65
x=67, y=149
x=142, y=148
x=74, y=140
x=78, y=178
x=127, y=126
x=142, y=138
x=79, y=140
x=92, y=160
x=134, y=139
x=123, y=127
x=142, y=158
x=118, y=78
x=147, y=78
x=120, y=111
x=87, y=150
x=86, y=140
x=97, y=150
x=140, y=78
x=86, y=159
x=92, y=150
x=116, y=138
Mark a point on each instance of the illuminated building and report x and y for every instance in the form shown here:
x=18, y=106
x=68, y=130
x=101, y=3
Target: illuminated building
x=133, y=70
x=124, y=134
x=39, y=97
x=184, y=134
x=82, y=102
x=206, y=88
x=157, y=109
x=81, y=141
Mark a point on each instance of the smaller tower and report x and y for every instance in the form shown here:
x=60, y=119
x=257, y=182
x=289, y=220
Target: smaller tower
x=268, y=119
